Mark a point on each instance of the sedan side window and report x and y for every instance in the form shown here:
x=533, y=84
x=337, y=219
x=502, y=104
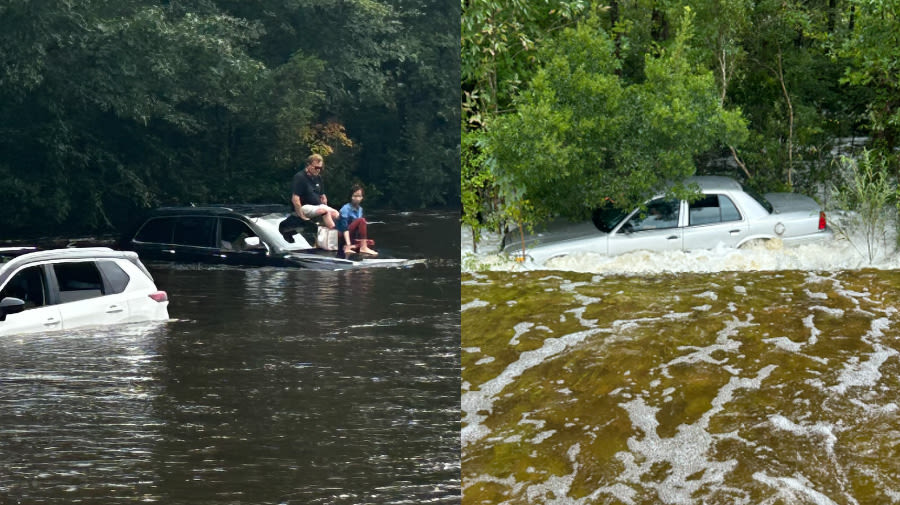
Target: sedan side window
x=78, y=281
x=28, y=285
x=713, y=209
x=660, y=214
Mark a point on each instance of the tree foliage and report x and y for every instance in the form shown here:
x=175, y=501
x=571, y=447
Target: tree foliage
x=800, y=75
x=583, y=134
x=111, y=107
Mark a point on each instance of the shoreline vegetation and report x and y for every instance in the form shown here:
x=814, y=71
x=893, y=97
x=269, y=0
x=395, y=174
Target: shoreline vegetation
x=111, y=108
x=573, y=103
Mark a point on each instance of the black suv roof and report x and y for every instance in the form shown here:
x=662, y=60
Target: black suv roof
x=244, y=209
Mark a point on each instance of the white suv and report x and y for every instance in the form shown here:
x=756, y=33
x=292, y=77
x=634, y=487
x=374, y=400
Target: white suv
x=61, y=289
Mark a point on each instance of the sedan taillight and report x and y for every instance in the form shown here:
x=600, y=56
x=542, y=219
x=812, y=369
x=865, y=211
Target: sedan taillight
x=159, y=296
x=822, y=220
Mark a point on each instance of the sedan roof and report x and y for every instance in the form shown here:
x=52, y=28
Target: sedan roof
x=715, y=183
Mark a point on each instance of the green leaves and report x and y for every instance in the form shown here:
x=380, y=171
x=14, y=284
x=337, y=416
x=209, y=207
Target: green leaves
x=108, y=107
x=583, y=134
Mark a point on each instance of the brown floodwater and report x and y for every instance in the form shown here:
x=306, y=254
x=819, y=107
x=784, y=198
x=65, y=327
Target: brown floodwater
x=268, y=385
x=725, y=388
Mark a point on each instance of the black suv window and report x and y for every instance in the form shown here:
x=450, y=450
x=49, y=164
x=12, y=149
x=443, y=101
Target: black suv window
x=232, y=234
x=78, y=281
x=195, y=231
x=156, y=230
x=29, y=285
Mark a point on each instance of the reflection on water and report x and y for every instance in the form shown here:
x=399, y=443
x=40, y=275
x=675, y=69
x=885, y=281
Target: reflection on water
x=733, y=388
x=268, y=386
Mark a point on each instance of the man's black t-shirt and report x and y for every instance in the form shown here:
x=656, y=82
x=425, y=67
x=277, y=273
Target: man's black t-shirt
x=308, y=187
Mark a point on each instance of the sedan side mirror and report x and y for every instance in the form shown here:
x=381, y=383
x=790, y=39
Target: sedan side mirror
x=251, y=241
x=11, y=305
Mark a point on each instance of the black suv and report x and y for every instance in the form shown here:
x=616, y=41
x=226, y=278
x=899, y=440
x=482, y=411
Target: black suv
x=223, y=234
x=251, y=235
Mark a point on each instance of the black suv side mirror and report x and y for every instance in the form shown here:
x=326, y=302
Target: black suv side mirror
x=11, y=305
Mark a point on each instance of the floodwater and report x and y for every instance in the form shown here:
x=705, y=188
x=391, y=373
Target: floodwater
x=268, y=386
x=769, y=376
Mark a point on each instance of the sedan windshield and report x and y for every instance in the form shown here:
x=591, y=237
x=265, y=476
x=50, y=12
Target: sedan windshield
x=606, y=217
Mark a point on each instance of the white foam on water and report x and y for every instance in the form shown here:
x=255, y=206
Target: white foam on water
x=474, y=304
x=724, y=343
x=555, y=490
x=520, y=329
x=866, y=373
x=485, y=360
x=823, y=431
x=473, y=403
x=785, y=344
x=686, y=453
x=794, y=489
x=827, y=255
x=540, y=437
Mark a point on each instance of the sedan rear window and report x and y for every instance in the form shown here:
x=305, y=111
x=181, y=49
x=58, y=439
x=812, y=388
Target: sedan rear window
x=760, y=199
x=713, y=209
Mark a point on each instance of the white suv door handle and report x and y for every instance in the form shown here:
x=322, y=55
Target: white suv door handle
x=51, y=321
x=113, y=309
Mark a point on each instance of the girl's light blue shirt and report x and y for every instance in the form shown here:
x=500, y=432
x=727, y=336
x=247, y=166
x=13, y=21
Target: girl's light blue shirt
x=348, y=214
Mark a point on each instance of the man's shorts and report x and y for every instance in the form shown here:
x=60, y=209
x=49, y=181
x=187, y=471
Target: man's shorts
x=311, y=211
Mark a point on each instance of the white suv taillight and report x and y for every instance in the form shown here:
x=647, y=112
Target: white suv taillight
x=159, y=296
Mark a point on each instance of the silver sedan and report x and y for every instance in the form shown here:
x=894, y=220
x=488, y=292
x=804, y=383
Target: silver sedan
x=725, y=214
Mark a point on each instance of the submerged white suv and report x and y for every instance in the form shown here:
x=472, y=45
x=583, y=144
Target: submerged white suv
x=62, y=289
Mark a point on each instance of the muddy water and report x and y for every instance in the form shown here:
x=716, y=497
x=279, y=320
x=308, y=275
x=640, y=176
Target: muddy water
x=270, y=386
x=726, y=388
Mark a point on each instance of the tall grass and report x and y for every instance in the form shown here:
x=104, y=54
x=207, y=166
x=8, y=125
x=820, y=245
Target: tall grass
x=865, y=196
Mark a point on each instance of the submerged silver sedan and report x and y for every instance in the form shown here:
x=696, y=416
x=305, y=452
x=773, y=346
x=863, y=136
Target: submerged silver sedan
x=725, y=215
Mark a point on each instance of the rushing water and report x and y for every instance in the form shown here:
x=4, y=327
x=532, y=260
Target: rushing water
x=279, y=386
x=675, y=379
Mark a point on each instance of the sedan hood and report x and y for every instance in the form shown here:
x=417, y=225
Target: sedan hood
x=553, y=233
x=792, y=202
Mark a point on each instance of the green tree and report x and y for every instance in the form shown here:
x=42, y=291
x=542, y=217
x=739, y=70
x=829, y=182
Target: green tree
x=872, y=50
x=500, y=44
x=583, y=134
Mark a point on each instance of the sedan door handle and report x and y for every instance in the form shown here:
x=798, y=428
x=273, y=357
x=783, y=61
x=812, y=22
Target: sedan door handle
x=672, y=237
x=170, y=251
x=114, y=309
x=735, y=232
x=51, y=321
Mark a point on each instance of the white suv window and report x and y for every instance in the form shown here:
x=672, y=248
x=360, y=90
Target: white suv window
x=29, y=285
x=116, y=278
x=78, y=281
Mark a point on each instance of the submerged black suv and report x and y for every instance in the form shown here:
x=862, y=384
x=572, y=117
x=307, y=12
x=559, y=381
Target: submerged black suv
x=251, y=235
